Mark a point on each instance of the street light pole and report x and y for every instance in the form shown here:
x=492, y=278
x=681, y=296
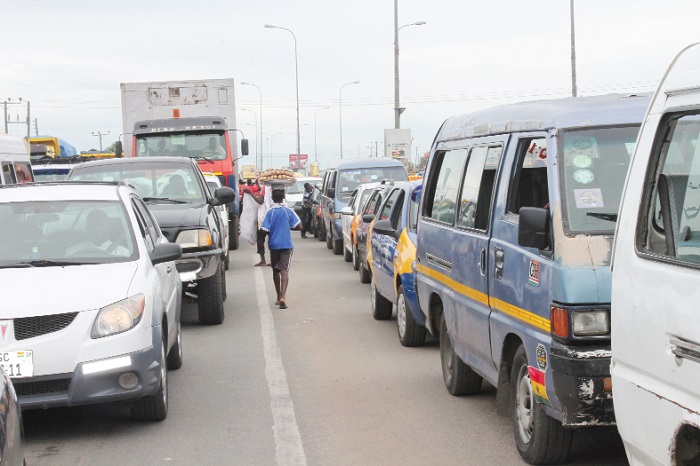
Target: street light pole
x=397, y=107
x=296, y=74
x=256, y=126
x=261, y=121
x=315, y=147
x=340, y=111
x=574, y=91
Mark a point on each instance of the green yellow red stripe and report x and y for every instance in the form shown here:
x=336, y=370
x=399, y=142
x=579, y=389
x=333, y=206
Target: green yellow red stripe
x=539, y=388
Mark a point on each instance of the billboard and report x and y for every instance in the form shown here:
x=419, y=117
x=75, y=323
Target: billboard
x=397, y=143
x=298, y=162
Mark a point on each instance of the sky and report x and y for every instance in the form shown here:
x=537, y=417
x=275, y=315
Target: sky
x=68, y=58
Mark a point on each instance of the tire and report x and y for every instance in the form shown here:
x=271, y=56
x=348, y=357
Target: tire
x=155, y=407
x=347, y=255
x=322, y=234
x=210, y=299
x=234, y=230
x=381, y=307
x=338, y=247
x=329, y=238
x=315, y=227
x=355, y=259
x=223, y=285
x=459, y=378
x=539, y=438
x=175, y=353
x=410, y=333
x=364, y=273
x=227, y=261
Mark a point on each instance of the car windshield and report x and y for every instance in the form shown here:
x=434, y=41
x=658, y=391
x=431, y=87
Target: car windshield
x=153, y=181
x=593, y=173
x=47, y=233
x=51, y=173
x=349, y=179
x=296, y=188
x=205, y=145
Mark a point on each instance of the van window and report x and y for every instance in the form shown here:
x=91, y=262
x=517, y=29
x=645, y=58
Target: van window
x=673, y=214
x=444, y=186
x=8, y=173
x=477, y=187
x=24, y=172
x=529, y=186
x=350, y=179
x=593, y=172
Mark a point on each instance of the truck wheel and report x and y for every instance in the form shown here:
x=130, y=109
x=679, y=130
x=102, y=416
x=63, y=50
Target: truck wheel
x=234, y=230
x=459, y=378
x=381, y=307
x=155, y=407
x=410, y=333
x=364, y=273
x=355, y=259
x=338, y=247
x=347, y=255
x=539, y=438
x=175, y=353
x=329, y=238
x=210, y=299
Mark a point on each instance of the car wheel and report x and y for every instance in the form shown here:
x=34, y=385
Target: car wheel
x=381, y=307
x=315, y=228
x=364, y=273
x=347, y=255
x=329, y=238
x=233, y=231
x=322, y=234
x=155, y=407
x=355, y=259
x=210, y=299
x=459, y=378
x=223, y=285
x=338, y=247
x=227, y=261
x=410, y=333
x=175, y=353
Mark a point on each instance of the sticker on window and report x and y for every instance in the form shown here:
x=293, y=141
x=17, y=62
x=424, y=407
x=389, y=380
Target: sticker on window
x=587, y=198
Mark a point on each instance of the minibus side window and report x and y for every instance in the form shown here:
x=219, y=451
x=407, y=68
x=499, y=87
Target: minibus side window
x=477, y=187
x=8, y=173
x=529, y=187
x=674, y=210
x=24, y=172
x=442, y=197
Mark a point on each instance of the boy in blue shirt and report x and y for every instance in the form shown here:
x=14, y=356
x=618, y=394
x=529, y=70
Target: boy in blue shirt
x=278, y=223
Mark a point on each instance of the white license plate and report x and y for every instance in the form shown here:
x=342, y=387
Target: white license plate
x=17, y=364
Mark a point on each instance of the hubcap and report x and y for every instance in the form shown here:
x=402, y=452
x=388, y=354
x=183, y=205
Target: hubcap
x=524, y=405
x=401, y=315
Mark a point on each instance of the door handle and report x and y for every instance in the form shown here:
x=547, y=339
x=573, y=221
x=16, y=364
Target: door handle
x=169, y=268
x=482, y=263
x=498, y=265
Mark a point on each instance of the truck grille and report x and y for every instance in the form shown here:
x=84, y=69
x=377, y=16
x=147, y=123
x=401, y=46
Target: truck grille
x=30, y=327
x=42, y=387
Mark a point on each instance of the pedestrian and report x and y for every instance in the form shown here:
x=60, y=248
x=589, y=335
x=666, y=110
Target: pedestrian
x=278, y=223
x=264, y=201
x=307, y=204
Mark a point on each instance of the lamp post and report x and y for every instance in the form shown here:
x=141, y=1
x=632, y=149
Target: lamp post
x=261, y=116
x=340, y=111
x=296, y=74
x=574, y=91
x=315, y=147
x=256, y=128
x=397, y=107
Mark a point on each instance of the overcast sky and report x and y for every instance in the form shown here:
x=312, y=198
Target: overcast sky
x=68, y=58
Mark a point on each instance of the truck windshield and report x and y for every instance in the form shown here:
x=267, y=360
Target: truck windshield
x=349, y=179
x=593, y=173
x=205, y=145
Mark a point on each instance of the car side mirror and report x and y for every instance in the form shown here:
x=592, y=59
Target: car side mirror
x=244, y=147
x=118, y=150
x=166, y=252
x=367, y=218
x=384, y=227
x=534, y=227
x=223, y=195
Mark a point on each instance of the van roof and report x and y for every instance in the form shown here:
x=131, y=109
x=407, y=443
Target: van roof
x=13, y=148
x=571, y=112
x=368, y=162
x=682, y=76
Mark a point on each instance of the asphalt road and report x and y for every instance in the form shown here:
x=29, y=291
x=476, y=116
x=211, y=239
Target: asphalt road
x=320, y=383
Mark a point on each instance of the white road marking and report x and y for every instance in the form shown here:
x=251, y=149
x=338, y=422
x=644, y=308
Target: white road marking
x=290, y=449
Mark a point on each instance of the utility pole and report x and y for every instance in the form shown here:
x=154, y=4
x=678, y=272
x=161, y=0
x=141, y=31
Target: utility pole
x=29, y=122
x=36, y=126
x=574, y=90
x=9, y=102
x=99, y=135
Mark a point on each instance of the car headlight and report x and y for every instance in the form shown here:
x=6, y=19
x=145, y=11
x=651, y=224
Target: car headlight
x=199, y=238
x=118, y=317
x=589, y=323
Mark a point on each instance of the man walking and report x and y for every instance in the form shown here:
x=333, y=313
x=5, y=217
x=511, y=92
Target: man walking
x=306, y=206
x=278, y=223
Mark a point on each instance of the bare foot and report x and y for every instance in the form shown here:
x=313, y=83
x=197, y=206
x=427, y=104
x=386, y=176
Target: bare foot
x=260, y=264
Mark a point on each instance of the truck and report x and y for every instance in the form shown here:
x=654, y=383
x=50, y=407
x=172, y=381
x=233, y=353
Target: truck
x=195, y=119
x=51, y=147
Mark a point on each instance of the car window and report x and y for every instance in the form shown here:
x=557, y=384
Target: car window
x=373, y=203
x=350, y=179
x=151, y=231
x=388, y=206
x=363, y=199
x=477, y=187
x=8, y=173
x=413, y=206
x=671, y=226
x=444, y=185
x=529, y=187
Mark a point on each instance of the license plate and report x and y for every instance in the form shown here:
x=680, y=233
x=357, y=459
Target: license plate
x=17, y=364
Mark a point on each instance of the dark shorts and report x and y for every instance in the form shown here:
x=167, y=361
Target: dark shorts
x=281, y=259
x=261, y=241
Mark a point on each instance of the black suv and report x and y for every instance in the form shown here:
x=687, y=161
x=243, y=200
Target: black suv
x=177, y=194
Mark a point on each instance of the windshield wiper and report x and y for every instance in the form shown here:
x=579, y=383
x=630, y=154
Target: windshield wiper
x=48, y=263
x=603, y=216
x=163, y=199
x=201, y=157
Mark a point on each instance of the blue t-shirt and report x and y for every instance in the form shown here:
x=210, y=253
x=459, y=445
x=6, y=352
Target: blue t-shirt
x=279, y=220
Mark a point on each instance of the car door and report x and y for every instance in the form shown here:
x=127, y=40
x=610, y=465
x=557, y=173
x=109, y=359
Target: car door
x=347, y=218
x=384, y=246
x=371, y=208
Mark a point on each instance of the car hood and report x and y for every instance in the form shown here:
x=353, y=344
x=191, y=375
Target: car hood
x=177, y=215
x=36, y=291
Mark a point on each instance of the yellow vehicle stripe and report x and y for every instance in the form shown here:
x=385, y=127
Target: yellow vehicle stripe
x=497, y=304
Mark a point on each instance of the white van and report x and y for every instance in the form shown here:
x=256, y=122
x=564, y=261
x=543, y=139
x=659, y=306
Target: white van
x=14, y=160
x=656, y=273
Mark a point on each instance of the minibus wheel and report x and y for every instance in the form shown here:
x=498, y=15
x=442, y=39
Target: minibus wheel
x=459, y=378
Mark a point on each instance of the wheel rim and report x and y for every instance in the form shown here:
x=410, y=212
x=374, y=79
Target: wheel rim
x=524, y=405
x=164, y=377
x=373, y=298
x=401, y=315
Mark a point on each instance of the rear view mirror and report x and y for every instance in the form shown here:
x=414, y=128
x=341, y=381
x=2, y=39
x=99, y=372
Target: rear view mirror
x=384, y=227
x=166, y=252
x=244, y=146
x=367, y=218
x=534, y=227
x=223, y=195
x=118, y=150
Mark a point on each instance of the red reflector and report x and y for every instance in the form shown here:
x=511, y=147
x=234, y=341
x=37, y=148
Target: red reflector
x=176, y=113
x=560, y=322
